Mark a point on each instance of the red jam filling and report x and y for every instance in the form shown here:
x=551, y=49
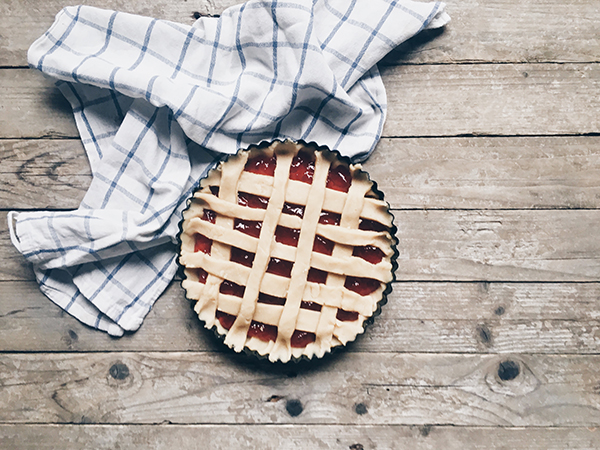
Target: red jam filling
x=252, y=201
x=302, y=168
x=262, y=165
x=317, y=276
x=369, y=253
x=241, y=257
x=302, y=338
x=202, y=275
x=270, y=299
x=262, y=331
x=280, y=267
x=202, y=244
x=230, y=288
x=371, y=225
x=346, y=316
x=225, y=319
x=313, y=306
x=323, y=245
x=330, y=218
x=293, y=209
x=249, y=227
x=287, y=236
x=209, y=215
x=362, y=286
x=339, y=178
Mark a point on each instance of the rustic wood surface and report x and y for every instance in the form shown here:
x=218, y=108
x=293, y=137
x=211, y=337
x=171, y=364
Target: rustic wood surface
x=491, y=336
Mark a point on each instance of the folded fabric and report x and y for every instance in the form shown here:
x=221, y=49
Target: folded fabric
x=157, y=102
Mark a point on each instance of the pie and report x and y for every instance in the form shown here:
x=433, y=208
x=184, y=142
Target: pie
x=288, y=250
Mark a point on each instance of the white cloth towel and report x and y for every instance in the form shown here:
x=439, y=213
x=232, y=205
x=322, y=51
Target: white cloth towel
x=157, y=102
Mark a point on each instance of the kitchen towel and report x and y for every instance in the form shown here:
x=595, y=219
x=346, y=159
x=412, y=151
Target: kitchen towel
x=158, y=102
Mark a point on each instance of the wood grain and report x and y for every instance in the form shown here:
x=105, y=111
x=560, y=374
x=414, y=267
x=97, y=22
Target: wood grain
x=423, y=100
x=294, y=437
x=555, y=318
x=497, y=30
x=43, y=174
x=425, y=173
x=399, y=389
x=492, y=99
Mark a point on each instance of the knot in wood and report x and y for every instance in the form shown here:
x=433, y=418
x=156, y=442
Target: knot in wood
x=294, y=407
x=119, y=371
x=360, y=409
x=508, y=370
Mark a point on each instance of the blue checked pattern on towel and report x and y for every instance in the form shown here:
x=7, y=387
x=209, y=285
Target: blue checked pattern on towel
x=157, y=102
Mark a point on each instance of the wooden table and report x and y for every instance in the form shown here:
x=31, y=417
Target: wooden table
x=491, y=338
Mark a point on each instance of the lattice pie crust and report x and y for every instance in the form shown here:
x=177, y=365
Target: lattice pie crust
x=287, y=250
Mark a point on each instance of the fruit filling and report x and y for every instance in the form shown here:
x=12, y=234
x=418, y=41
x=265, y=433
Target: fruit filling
x=317, y=276
x=252, y=201
x=249, y=227
x=369, y=253
x=262, y=331
x=287, y=236
x=230, y=288
x=293, y=209
x=362, y=286
x=313, y=306
x=202, y=244
x=225, y=319
x=323, y=245
x=241, y=257
x=330, y=218
x=302, y=168
x=202, y=275
x=261, y=165
x=209, y=215
x=371, y=225
x=302, y=338
x=339, y=178
x=280, y=267
x=346, y=316
x=270, y=299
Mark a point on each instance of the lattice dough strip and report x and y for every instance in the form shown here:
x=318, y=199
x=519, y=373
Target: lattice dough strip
x=228, y=236
x=208, y=200
x=352, y=266
x=236, y=337
x=229, y=175
x=353, y=205
x=353, y=237
x=226, y=270
x=298, y=280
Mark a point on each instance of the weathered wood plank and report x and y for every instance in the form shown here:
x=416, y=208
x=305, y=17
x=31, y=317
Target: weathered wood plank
x=439, y=100
x=419, y=317
x=43, y=174
x=496, y=99
x=554, y=245
x=453, y=173
x=356, y=388
x=545, y=30
x=455, y=245
x=490, y=173
x=31, y=106
x=294, y=437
